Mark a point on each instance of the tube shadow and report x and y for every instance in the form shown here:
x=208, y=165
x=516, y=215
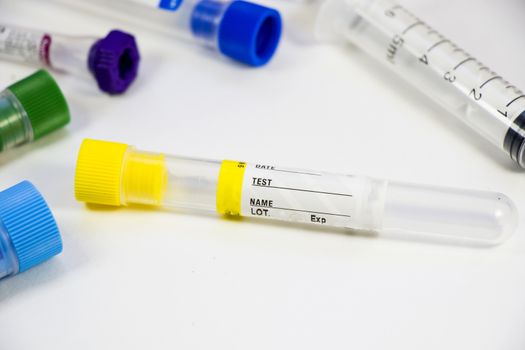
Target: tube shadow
x=307, y=228
x=49, y=272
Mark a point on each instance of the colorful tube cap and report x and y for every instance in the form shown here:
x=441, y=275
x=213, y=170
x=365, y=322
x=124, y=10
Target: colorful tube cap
x=43, y=101
x=98, y=172
x=114, y=61
x=30, y=225
x=249, y=33
x=170, y=5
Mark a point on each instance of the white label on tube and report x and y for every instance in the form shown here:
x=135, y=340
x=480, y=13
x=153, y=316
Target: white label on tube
x=299, y=196
x=22, y=45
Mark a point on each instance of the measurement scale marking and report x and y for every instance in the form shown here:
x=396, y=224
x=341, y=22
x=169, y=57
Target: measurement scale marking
x=412, y=26
x=437, y=44
x=517, y=98
x=295, y=172
x=463, y=62
x=513, y=87
x=304, y=190
x=301, y=210
x=491, y=79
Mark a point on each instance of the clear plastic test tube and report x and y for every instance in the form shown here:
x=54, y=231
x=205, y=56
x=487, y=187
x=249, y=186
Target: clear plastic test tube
x=168, y=5
x=28, y=232
x=113, y=60
x=31, y=109
x=244, y=31
x=117, y=174
x=439, y=68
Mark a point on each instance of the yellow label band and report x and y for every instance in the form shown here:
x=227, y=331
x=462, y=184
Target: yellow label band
x=229, y=188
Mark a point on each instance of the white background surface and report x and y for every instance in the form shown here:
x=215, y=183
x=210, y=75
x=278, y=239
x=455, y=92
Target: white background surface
x=136, y=279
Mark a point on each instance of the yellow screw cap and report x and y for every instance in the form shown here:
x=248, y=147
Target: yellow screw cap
x=99, y=171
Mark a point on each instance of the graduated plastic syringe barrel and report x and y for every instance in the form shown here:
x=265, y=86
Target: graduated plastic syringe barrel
x=435, y=65
x=117, y=174
x=113, y=60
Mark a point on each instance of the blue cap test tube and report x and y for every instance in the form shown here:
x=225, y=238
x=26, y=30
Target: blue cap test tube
x=244, y=31
x=28, y=232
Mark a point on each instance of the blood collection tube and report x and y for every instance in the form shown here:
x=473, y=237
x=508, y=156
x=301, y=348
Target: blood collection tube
x=241, y=30
x=31, y=109
x=28, y=232
x=116, y=174
x=169, y=5
x=113, y=60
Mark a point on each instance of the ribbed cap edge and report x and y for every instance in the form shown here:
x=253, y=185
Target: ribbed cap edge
x=98, y=172
x=43, y=102
x=30, y=225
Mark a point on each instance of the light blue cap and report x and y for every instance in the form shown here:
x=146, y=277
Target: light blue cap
x=30, y=225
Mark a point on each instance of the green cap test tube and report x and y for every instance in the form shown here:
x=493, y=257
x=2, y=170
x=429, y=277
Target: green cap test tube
x=31, y=108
